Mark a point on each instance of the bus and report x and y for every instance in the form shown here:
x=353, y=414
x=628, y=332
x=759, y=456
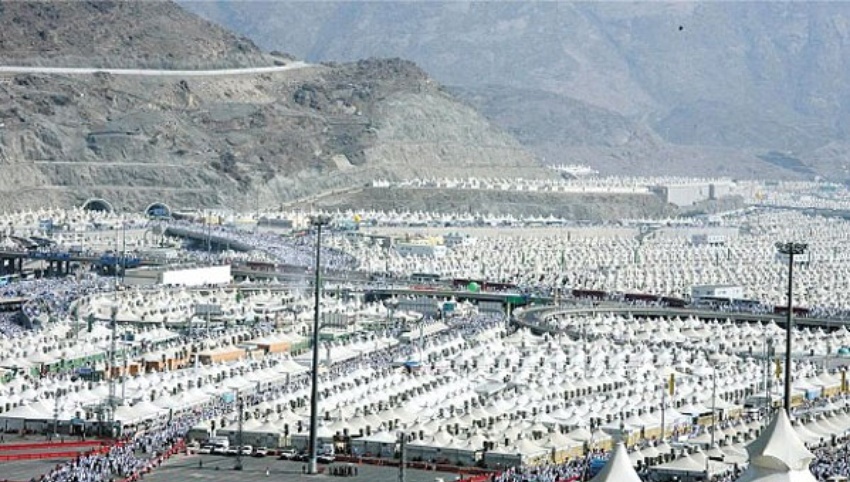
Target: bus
x=425, y=278
x=9, y=278
x=463, y=283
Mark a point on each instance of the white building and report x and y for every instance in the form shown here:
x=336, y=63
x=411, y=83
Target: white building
x=188, y=276
x=683, y=195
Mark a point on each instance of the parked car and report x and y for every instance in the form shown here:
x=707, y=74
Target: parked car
x=302, y=457
x=260, y=452
x=325, y=458
x=232, y=451
x=288, y=454
x=247, y=450
x=205, y=450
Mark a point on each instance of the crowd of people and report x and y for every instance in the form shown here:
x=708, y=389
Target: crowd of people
x=134, y=454
x=271, y=246
x=831, y=462
x=570, y=471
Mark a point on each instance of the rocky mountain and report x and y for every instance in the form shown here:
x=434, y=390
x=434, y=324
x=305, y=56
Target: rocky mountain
x=107, y=33
x=641, y=87
x=199, y=141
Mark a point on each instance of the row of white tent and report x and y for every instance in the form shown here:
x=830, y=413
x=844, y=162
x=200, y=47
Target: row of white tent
x=663, y=265
x=445, y=411
x=777, y=455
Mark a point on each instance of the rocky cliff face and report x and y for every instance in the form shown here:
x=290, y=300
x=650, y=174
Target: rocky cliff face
x=218, y=141
x=113, y=33
x=649, y=87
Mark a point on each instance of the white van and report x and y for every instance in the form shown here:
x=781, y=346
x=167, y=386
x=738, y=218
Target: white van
x=219, y=444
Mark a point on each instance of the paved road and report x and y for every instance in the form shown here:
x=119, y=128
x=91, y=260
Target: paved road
x=185, y=468
x=10, y=69
x=26, y=469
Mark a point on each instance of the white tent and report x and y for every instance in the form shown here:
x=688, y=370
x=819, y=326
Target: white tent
x=778, y=455
x=618, y=468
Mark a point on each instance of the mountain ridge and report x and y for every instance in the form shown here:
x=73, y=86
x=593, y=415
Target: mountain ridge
x=220, y=141
x=687, y=78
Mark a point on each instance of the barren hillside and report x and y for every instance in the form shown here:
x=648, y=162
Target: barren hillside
x=640, y=87
x=217, y=141
x=107, y=33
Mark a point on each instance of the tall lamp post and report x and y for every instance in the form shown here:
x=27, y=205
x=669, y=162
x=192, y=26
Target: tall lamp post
x=318, y=222
x=241, y=408
x=790, y=250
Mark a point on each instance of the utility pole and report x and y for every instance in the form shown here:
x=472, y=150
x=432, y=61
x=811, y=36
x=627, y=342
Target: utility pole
x=318, y=222
x=402, y=466
x=239, y=427
x=789, y=249
x=113, y=402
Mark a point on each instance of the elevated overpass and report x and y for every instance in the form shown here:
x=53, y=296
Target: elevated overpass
x=12, y=261
x=208, y=238
x=534, y=309
x=534, y=318
x=505, y=299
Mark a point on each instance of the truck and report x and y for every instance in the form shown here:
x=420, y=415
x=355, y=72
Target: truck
x=326, y=454
x=219, y=444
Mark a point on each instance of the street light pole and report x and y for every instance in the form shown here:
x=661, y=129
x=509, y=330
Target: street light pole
x=789, y=249
x=240, y=418
x=317, y=222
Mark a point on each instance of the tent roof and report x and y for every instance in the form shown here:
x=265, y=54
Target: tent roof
x=756, y=474
x=381, y=437
x=779, y=448
x=685, y=463
x=527, y=447
x=618, y=468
